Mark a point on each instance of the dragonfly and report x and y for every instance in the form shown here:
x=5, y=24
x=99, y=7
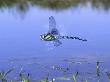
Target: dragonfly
x=54, y=35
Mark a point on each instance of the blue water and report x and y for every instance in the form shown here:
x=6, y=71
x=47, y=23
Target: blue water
x=20, y=43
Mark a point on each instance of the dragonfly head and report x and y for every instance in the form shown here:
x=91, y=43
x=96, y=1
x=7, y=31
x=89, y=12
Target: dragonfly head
x=42, y=37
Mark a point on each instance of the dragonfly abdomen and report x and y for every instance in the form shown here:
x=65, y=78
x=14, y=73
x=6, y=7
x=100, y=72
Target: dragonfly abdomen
x=72, y=37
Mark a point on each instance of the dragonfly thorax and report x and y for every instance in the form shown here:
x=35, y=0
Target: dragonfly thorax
x=48, y=37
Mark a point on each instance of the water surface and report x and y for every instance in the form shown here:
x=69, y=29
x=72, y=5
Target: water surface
x=22, y=23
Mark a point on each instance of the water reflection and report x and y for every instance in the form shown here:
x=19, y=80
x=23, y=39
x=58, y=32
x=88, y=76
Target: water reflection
x=101, y=4
x=23, y=5
x=20, y=39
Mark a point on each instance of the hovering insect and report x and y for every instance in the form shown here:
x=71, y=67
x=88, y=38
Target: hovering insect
x=54, y=35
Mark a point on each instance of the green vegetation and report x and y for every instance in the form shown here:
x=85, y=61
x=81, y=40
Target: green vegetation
x=25, y=77
x=108, y=75
x=101, y=4
x=75, y=76
x=23, y=5
x=3, y=75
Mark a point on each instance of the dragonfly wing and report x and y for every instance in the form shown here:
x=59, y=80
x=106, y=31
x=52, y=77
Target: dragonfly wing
x=57, y=43
x=52, y=22
x=52, y=26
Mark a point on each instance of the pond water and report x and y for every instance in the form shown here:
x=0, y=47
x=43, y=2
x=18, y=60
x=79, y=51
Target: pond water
x=22, y=22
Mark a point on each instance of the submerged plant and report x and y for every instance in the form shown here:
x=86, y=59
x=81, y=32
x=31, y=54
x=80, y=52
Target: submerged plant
x=63, y=78
x=60, y=68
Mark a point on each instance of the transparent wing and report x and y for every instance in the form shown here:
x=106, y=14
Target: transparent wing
x=52, y=22
x=57, y=43
x=52, y=26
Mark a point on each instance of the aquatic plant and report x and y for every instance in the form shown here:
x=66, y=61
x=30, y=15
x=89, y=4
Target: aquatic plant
x=75, y=76
x=86, y=80
x=108, y=75
x=3, y=75
x=53, y=80
x=63, y=78
x=24, y=78
x=60, y=68
x=45, y=80
x=98, y=68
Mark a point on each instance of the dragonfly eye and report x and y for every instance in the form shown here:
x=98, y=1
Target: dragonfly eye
x=41, y=37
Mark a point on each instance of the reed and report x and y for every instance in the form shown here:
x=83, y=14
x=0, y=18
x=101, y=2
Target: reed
x=24, y=78
x=98, y=68
x=3, y=75
x=75, y=76
x=108, y=75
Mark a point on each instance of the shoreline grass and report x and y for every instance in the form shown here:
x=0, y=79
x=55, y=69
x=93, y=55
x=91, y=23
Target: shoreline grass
x=75, y=77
